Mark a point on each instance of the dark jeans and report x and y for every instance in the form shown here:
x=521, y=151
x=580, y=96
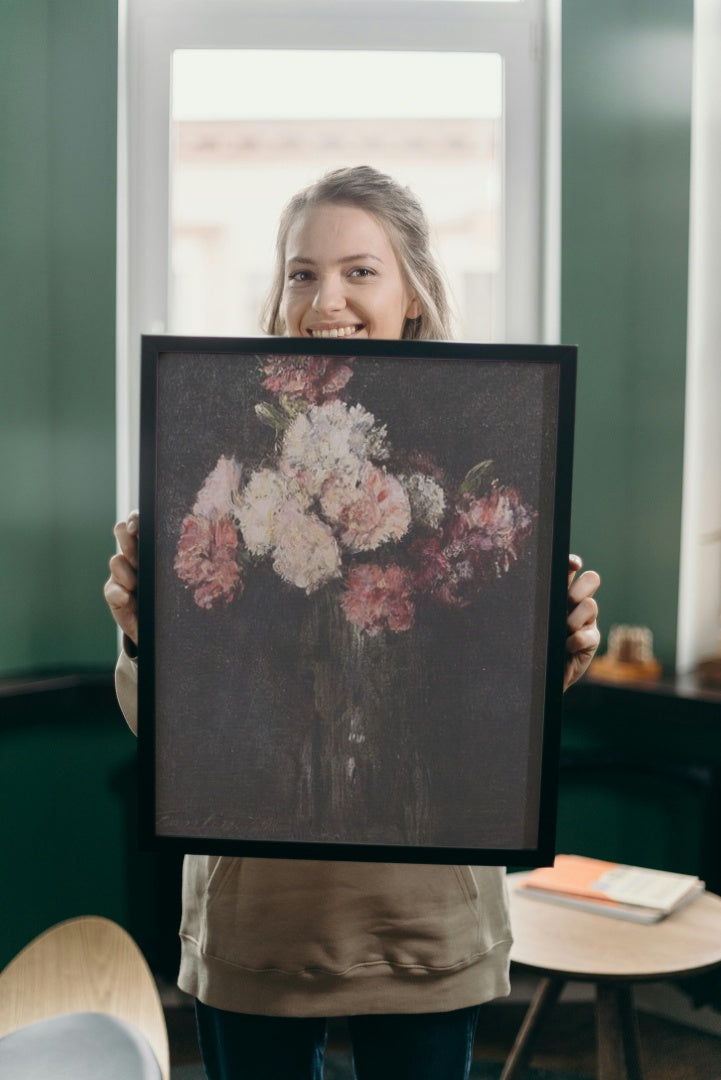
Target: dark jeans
x=417, y=1046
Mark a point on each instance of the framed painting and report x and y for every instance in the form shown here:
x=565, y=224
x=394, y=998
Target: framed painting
x=352, y=597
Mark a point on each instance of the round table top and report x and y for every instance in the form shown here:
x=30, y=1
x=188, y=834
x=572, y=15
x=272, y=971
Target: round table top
x=559, y=940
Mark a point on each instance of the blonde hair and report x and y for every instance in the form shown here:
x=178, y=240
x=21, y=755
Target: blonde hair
x=403, y=217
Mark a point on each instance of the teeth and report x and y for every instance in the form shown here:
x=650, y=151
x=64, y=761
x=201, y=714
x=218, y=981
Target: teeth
x=336, y=332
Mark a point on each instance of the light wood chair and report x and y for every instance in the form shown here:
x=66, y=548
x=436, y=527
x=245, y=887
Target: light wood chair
x=85, y=965
x=563, y=944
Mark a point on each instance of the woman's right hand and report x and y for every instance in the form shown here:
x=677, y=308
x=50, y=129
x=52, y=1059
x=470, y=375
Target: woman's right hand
x=121, y=587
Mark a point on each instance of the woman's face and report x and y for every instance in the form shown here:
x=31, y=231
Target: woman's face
x=342, y=277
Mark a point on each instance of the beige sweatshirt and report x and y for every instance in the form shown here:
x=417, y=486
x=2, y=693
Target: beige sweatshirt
x=285, y=937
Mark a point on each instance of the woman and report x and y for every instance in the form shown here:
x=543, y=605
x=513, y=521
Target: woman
x=271, y=948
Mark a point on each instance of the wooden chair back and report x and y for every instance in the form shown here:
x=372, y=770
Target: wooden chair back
x=87, y=964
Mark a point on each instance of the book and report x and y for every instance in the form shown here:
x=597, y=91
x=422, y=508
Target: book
x=608, y=888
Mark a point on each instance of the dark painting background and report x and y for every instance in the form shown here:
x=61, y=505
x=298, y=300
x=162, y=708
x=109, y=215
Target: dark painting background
x=274, y=719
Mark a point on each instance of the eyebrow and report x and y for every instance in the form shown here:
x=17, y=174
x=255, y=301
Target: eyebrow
x=362, y=256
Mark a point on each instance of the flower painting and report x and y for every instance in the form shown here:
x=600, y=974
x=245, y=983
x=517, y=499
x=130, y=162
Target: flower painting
x=351, y=596
x=332, y=506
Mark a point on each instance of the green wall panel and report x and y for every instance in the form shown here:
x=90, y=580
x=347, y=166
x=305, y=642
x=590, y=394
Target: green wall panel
x=626, y=145
x=68, y=797
x=58, y=75
x=26, y=491
x=69, y=846
x=641, y=779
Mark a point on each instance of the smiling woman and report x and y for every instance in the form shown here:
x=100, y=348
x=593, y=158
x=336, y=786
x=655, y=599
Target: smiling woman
x=353, y=259
x=270, y=945
x=337, y=293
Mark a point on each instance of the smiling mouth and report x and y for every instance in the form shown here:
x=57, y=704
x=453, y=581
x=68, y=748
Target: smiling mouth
x=335, y=331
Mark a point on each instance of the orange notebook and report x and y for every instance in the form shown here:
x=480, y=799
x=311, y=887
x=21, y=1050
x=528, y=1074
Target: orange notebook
x=631, y=892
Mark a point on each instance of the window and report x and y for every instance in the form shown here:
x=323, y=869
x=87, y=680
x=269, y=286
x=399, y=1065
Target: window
x=227, y=107
x=235, y=161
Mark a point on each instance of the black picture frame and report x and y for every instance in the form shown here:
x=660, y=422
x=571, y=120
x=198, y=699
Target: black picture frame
x=352, y=597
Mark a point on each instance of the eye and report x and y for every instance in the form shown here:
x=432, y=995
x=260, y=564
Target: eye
x=300, y=276
x=362, y=272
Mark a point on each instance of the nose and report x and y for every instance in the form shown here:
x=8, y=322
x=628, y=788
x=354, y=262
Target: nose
x=329, y=295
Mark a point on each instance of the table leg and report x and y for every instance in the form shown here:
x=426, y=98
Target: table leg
x=545, y=997
x=617, y=1033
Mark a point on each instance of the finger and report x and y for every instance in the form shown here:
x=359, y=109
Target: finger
x=576, y=666
x=585, y=585
x=575, y=563
x=118, y=597
x=583, y=641
x=584, y=613
x=123, y=572
x=126, y=533
x=123, y=608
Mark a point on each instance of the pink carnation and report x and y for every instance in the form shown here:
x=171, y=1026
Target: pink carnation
x=206, y=559
x=378, y=598
x=484, y=538
x=218, y=494
x=370, y=512
x=312, y=378
x=432, y=566
x=498, y=524
x=444, y=571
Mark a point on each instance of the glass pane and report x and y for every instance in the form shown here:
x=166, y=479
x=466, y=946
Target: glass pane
x=471, y=1
x=250, y=128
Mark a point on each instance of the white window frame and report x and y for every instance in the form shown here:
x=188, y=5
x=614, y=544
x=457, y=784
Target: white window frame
x=526, y=34
x=699, y=597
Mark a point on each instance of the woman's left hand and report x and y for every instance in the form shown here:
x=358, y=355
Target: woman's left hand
x=583, y=636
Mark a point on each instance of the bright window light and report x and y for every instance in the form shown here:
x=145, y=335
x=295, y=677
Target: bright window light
x=251, y=127
x=220, y=84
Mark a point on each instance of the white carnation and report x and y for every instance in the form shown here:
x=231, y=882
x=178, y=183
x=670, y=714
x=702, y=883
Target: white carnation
x=259, y=507
x=331, y=440
x=306, y=553
x=427, y=499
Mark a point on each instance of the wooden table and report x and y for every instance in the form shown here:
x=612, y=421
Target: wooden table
x=563, y=944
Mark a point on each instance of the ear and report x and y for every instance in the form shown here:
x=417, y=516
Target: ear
x=415, y=309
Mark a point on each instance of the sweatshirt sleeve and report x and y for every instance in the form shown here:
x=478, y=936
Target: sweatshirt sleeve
x=126, y=688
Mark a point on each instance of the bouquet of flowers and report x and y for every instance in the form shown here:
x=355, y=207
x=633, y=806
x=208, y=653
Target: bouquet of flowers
x=335, y=507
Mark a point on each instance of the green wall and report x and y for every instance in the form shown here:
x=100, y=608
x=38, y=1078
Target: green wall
x=626, y=145
x=66, y=758
x=58, y=72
